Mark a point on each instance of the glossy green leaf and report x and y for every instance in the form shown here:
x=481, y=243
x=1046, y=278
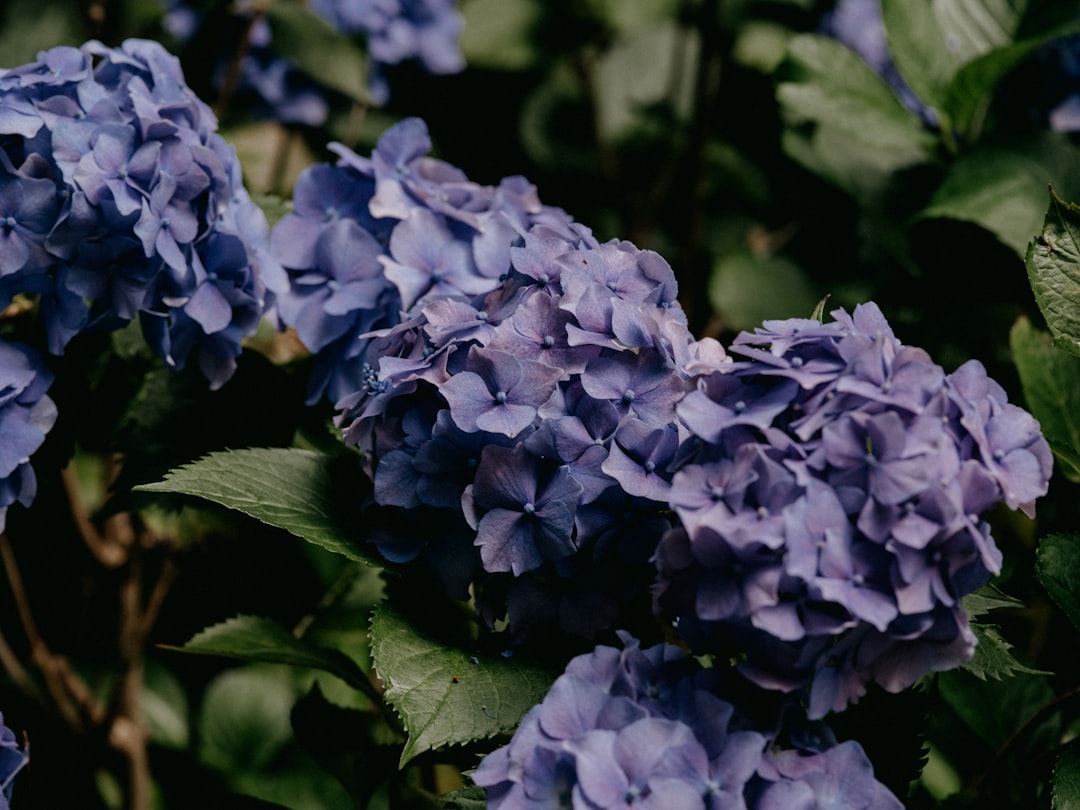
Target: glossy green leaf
x=1053, y=266
x=1003, y=188
x=843, y=121
x=311, y=495
x=1058, y=564
x=300, y=35
x=255, y=638
x=447, y=696
x=1051, y=382
x=1065, y=786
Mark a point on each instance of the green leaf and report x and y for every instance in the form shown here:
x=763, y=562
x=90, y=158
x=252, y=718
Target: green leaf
x=470, y=798
x=498, y=34
x=1053, y=265
x=651, y=66
x=1003, y=188
x=244, y=719
x=311, y=495
x=992, y=708
x=165, y=707
x=932, y=40
x=300, y=35
x=1051, y=383
x=1066, y=780
x=988, y=598
x=746, y=289
x=444, y=695
x=843, y=121
x=255, y=638
x=992, y=658
x=1058, y=564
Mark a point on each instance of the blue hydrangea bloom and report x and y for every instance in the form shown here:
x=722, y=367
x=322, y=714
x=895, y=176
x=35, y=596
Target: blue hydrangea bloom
x=26, y=415
x=498, y=367
x=119, y=200
x=400, y=30
x=12, y=760
x=829, y=501
x=651, y=728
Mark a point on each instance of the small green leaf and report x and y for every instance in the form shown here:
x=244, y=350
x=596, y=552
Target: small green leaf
x=300, y=35
x=1053, y=265
x=1051, y=382
x=255, y=638
x=311, y=495
x=1066, y=781
x=469, y=798
x=444, y=695
x=1058, y=563
x=992, y=658
x=988, y=598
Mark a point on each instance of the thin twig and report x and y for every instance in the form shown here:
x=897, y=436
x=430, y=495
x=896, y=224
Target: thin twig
x=73, y=700
x=108, y=554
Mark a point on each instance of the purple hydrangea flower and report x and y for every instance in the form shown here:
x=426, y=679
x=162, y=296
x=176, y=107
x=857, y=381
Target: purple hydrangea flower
x=122, y=201
x=491, y=368
x=829, y=502
x=12, y=760
x=650, y=728
x=26, y=415
x=400, y=30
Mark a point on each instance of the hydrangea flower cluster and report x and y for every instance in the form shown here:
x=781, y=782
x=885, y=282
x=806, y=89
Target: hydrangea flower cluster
x=268, y=85
x=648, y=728
x=12, y=760
x=118, y=199
x=498, y=364
x=26, y=415
x=395, y=31
x=830, y=506
x=400, y=30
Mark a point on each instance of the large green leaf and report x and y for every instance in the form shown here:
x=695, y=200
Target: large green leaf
x=1058, y=561
x=1053, y=266
x=1066, y=781
x=312, y=495
x=1051, y=382
x=931, y=40
x=255, y=638
x=843, y=121
x=1003, y=188
x=303, y=37
x=447, y=696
